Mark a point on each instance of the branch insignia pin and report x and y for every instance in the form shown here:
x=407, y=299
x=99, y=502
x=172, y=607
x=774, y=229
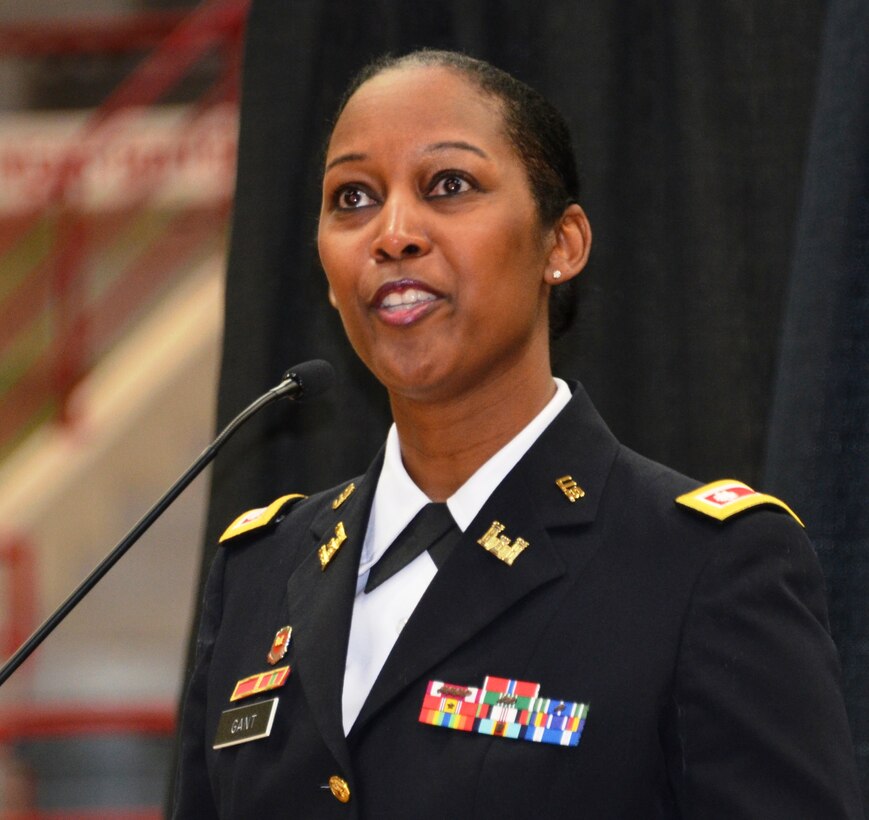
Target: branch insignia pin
x=500, y=545
x=327, y=551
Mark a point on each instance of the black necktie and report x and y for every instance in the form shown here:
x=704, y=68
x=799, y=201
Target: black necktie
x=432, y=528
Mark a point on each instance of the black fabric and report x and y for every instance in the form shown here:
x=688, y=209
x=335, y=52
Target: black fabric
x=819, y=433
x=431, y=528
x=692, y=124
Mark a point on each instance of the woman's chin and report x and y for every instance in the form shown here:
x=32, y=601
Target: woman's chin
x=418, y=380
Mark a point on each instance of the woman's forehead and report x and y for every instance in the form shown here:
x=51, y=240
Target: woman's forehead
x=415, y=101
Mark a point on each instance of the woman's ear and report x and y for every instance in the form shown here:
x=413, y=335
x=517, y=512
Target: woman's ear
x=569, y=254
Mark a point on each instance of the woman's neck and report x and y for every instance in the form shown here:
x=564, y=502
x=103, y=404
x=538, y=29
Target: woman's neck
x=444, y=443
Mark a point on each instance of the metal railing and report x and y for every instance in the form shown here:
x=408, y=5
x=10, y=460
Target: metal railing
x=78, y=265
x=92, y=233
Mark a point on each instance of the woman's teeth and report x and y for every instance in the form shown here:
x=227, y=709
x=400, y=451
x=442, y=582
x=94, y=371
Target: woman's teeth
x=405, y=298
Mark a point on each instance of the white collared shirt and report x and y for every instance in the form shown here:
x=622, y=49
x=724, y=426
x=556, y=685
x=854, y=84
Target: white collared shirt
x=380, y=615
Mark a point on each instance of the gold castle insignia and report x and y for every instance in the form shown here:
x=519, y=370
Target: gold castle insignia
x=500, y=545
x=328, y=550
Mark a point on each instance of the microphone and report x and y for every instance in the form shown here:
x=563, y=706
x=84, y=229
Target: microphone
x=307, y=380
x=303, y=381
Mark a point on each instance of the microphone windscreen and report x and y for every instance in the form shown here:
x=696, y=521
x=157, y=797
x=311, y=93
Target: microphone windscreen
x=313, y=377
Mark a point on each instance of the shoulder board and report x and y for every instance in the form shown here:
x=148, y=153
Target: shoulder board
x=253, y=519
x=723, y=499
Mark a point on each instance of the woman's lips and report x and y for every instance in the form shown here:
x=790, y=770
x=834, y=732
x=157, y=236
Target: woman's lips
x=404, y=302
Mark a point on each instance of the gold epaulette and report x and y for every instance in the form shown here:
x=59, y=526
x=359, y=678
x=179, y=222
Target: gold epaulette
x=723, y=499
x=253, y=519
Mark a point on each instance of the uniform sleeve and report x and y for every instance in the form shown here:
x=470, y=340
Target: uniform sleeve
x=193, y=796
x=761, y=723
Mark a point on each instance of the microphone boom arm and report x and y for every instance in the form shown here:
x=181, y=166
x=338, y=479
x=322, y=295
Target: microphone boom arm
x=306, y=379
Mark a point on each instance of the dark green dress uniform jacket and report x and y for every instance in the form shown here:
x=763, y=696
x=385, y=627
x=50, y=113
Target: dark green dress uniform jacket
x=701, y=648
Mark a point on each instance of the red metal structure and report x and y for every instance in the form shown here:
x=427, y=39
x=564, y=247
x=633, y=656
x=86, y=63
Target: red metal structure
x=63, y=304
x=55, y=322
x=19, y=574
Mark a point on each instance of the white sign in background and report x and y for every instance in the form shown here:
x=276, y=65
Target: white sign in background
x=165, y=155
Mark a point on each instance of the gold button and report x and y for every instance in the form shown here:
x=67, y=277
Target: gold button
x=339, y=788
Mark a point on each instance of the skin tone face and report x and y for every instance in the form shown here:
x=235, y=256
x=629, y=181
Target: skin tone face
x=440, y=268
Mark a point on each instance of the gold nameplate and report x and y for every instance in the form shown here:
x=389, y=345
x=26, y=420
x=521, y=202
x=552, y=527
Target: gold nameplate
x=500, y=545
x=328, y=550
x=570, y=488
x=343, y=495
x=245, y=723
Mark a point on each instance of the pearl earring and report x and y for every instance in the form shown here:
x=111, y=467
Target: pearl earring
x=556, y=274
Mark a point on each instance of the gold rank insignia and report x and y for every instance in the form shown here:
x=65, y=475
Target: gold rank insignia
x=500, y=545
x=279, y=645
x=343, y=495
x=723, y=499
x=328, y=550
x=253, y=519
x=570, y=488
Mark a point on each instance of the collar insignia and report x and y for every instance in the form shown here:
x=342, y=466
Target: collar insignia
x=500, y=545
x=343, y=495
x=570, y=488
x=327, y=551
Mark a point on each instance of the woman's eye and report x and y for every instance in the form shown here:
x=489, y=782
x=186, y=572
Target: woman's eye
x=450, y=185
x=351, y=197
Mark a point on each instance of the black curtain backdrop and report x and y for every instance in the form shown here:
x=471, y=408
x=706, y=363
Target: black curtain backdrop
x=819, y=433
x=692, y=124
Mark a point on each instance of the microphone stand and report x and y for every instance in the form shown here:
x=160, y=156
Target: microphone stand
x=293, y=386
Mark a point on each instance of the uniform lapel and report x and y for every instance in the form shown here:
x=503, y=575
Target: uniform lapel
x=320, y=607
x=474, y=588
x=469, y=592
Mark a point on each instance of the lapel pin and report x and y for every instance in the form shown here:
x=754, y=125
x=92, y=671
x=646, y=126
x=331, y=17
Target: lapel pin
x=500, y=545
x=279, y=645
x=343, y=495
x=328, y=550
x=570, y=488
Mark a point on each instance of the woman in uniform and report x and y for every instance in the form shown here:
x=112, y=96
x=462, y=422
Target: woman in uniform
x=510, y=614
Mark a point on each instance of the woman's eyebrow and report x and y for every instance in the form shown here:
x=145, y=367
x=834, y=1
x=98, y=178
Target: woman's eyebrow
x=345, y=158
x=429, y=149
x=461, y=145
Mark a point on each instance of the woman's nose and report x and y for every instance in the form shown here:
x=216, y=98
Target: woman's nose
x=401, y=233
